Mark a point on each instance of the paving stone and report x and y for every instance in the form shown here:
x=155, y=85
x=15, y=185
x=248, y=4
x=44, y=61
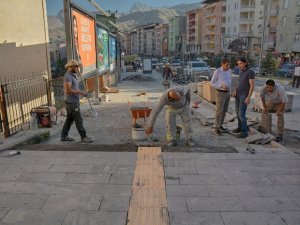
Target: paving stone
x=114, y=204
x=210, y=204
x=285, y=179
x=270, y=170
x=57, y=203
x=30, y=168
x=121, y=179
x=297, y=200
x=279, y=190
x=177, y=204
x=107, y=189
x=41, y=177
x=95, y=218
x=71, y=168
x=3, y=212
x=9, y=176
x=18, y=160
x=186, y=190
x=251, y=218
x=173, y=171
x=244, y=179
x=172, y=179
x=268, y=204
x=22, y=201
x=108, y=169
x=82, y=178
x=290, y=218
x=203, y=218
x=233, y=190
x=277, y=163
x=32, y=217
x=202, y=179
x=228, y=163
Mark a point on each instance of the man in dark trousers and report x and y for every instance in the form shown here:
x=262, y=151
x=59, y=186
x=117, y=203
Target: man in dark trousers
x=243, y=95
x=166, y=74
x=71, y=98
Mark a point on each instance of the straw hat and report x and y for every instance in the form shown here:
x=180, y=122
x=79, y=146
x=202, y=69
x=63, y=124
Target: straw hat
x=72, y=62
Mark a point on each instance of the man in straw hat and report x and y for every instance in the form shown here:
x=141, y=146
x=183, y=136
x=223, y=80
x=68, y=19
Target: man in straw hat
x=178, y=101
x=71, y=98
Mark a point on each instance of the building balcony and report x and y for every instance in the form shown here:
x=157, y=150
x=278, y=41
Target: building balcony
x=272, y=29
x=245, y=34
x=247, y=8
x=246, y=20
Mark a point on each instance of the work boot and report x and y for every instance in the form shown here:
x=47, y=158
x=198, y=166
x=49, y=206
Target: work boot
x=218, y=132
x=190, y=143
x=87, y=139
x=222, y=128
x=237, y=130
x=242, y=135
x=279, y=138
x=67, y=139
x=172, y=144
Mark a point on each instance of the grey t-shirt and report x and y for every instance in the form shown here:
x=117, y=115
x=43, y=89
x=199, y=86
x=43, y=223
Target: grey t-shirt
x=71, y=98
x=278, y=95
x=185, y=98
x=244, y=77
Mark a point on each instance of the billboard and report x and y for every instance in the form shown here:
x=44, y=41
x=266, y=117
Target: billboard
x=84, y=47
x=112, y=53
x=102, y=49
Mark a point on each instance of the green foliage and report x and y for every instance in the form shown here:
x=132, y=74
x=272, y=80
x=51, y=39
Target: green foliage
x=251, y=60
x=269, y=64
x=233, y=60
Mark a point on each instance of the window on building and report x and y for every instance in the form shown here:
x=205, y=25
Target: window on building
x=298, y=19
x=234, y=17
x=228, y=19
x=236, y=5
x=286, y=4
x=284, y=21
x=281, y=38
x=234, y=29
x=297, y=37
x=228, y=30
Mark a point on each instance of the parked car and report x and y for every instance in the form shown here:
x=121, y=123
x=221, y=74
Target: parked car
x=198, y=70
x=176, y=63
x=286, y=70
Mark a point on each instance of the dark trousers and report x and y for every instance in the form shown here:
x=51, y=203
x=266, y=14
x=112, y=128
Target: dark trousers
x=296, y=80
x=241, y=108
x=73, y=114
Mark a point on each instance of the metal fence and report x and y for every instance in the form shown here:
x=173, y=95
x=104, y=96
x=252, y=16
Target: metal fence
x=18, y=97
x=57, y=88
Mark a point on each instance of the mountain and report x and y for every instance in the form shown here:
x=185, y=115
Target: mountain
x=139, y=7
x=141, y=14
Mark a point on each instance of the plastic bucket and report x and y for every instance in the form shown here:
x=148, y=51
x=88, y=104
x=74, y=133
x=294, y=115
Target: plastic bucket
x=138, y=134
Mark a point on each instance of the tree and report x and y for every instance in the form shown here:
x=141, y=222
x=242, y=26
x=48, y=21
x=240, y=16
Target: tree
x=233, y=60
x=251, y=60
x=269, y=64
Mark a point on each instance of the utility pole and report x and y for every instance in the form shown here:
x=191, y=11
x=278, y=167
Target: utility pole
x=262, y=37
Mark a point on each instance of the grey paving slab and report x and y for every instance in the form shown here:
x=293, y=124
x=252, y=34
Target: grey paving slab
x=202, y=179
x=41, y=177
x=297, y=201
x=177, y=204
x=30, y=168
x=107, y=189
x=9, y=176
x=244, y=179
x=269, y=204
x=86, y=178
x=277, y=163
x=114, y=204
x=228, y=163
x=211, y=204
x=17, y=160
x=290, y=218
x=251, y=218
x=279, y=190
x=233, y=190
x=113, y=169
x=286, y=179
x=172, y=179
x=219, y=171
x=95, y=218
x=173, y=171
x=32, y=217
x=43, y=154
x=187, y=190
x=3, y=212
x=57, y=203
x=187, y=163
x=270, y=170
x=71, y=169
x=121, y=179
x=22, y=201
x=203, y=218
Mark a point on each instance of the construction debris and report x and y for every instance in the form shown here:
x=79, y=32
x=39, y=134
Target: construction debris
x=260, y=139
x=141, y=93
x=138, y=78
x=106, y=89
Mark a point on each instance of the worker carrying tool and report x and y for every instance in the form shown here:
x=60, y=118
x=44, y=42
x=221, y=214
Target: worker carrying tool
x=178, y=101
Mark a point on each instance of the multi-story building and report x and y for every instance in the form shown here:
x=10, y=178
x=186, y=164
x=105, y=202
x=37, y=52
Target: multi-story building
x=194, y=27
x=145, y=40
x=177, y=31
x=161, y=40
x=212, y=28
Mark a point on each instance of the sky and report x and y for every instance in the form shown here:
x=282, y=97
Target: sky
x=113, y=5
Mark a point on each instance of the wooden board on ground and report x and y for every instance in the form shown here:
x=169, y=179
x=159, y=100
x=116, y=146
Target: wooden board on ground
x=148, y=204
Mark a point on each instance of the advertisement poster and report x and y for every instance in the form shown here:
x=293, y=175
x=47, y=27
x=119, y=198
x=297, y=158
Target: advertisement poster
x=84, y=48
x=112, y=53
x=102, y=49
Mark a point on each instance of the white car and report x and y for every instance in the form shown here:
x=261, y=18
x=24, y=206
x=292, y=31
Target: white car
x=198, y=70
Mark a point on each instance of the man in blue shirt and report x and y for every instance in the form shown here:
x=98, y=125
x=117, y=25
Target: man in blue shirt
x=243, y=95
x=221, y=81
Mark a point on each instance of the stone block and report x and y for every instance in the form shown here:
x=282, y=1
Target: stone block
x=22, y=201
x=203, y=218
x=114, y=204
x=202, y=179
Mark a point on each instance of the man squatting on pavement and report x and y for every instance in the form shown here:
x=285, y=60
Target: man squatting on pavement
x=71, y=98
x=274, y=98
x=221, y=81
x=178, y=101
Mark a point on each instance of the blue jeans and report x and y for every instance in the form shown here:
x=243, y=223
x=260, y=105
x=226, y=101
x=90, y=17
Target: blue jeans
x=241, y=108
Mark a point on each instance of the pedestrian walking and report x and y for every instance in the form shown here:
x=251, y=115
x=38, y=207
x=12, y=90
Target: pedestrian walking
x=178, y=101
x=243, y=95
x=296, y=80
x=274, y=99
x=221, y=81
x=71, y=98
x=167, y=73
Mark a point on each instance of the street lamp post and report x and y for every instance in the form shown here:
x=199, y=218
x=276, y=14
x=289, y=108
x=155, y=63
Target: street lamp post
x=262, y=38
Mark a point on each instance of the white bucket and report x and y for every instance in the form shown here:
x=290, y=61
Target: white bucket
x=105, y=98
x=138, y=134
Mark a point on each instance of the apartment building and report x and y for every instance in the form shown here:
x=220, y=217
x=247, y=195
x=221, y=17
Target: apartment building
x=161, y=40
x=212, y=28
x=193, y=33
x=176, y=37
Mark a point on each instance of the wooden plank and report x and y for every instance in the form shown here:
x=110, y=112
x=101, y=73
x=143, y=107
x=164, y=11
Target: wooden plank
x=148, y=204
